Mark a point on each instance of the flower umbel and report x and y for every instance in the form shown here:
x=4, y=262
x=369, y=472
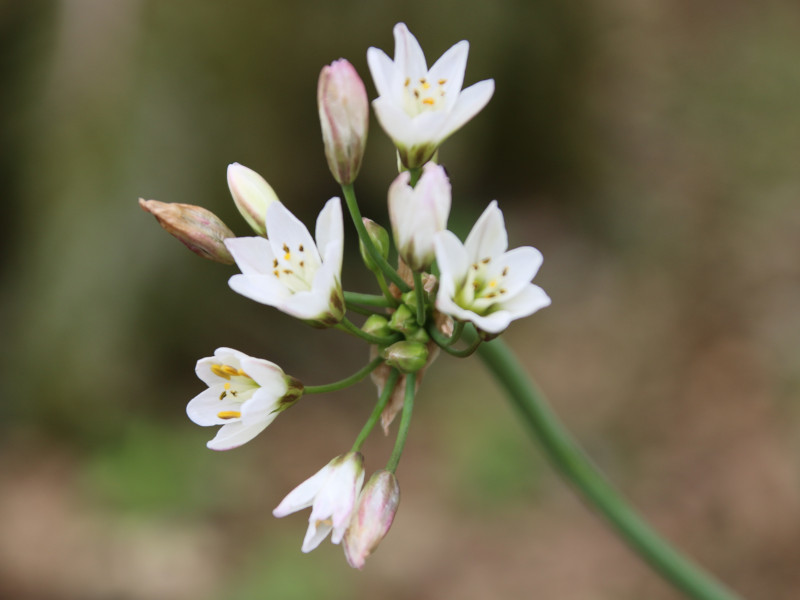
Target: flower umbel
x=331, y=493
x=482, y=283
x=419, y=107
x=418, y=213
x=288, y=270
x=244, y=395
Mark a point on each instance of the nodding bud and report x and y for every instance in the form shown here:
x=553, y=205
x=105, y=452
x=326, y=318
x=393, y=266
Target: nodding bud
x=251, y=194
x=380, y=238
x=199, y=229
x=344, y=117
x=406, y=356
x=372, y=517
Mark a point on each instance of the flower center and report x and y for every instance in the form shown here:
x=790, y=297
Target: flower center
x=238, y=387
x=296, y=268
x=483, y=286
x=421, y=95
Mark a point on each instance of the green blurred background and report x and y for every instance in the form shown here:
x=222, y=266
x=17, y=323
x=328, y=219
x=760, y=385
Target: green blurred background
x=650, y=149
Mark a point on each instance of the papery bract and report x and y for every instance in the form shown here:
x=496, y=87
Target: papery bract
x=482, y=283
x=288, y=270
x=244, y=395
x=344, y=118
x=331, y=493
x=251, y=194
x=419, y=107
x=418, y=213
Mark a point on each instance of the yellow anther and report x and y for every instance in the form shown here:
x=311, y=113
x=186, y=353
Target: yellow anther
x=230, y=370
x=426, y=86
x=287, y=256
x=493, y=283
x=486, y=260
x=442, y=81
x=241, y=373
x=219, y=371
x=276, y=273
x=229, y=414
x=429, y=101
x=505, y=271
x=407, y=81
x=227, y=385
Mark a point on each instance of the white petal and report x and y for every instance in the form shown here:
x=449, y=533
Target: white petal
x=253, y=255
x=382, y=69
x=394, y=120
x=451, y=256
x=470, y=102
x=265, y=289
x=204, y=408
x=408, y=56
x=488, y=237
x=530, y=299
x=330, y=229
x=493, y=323
x=303, y=495
x=451, y=66
x=235, y=434
x=522, y=264
x=260, y=406
x=266, y=374
x=284, y=228
x=317, y=531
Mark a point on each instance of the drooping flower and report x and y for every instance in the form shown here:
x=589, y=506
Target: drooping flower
x=482, y=283
x=374, y=514
x=331, y=493
x=344, y=117
x=251, y=194
x=419, y=107
x=288, y=270
x=418, y=213
x=244, y=395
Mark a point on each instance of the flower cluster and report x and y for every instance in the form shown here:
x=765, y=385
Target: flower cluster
x=442, y=289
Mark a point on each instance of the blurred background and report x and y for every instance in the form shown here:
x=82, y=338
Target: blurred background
x=649, y=149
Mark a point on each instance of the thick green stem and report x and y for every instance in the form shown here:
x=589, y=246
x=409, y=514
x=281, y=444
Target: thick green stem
x=405, y=420
x=574, y=465
x=355, y=213
x=388, y=388
x=345, y=325
x=368, y=299
x=347, y=381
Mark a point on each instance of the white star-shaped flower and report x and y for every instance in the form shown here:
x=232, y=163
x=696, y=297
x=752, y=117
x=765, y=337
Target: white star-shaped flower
x=291, y=272
x=244, y=395
x=482, y=283
x=419, y=107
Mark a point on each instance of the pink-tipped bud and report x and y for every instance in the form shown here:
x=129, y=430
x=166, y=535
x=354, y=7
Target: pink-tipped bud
x=372, y=518
x=344, y=117
x=199, y=229
x=251, y=194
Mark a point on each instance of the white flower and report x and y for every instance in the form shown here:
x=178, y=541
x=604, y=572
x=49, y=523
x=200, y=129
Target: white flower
x=251, y=194
x=419, y=108
x=331, y=493
x=288, y=270
x=418, y=213
x=481, y=282
x=244, y=395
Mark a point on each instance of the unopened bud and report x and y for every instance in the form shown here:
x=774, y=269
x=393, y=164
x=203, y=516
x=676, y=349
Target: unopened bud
x=199, y=229
x=251, y=194
x=404, y=319
x=380, y=239
x=344, y=117
x=419, y=335
x=372, y=517
x=377, y=325
x=405, y=356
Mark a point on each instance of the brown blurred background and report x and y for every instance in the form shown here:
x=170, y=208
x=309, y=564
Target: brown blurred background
x=649, y=149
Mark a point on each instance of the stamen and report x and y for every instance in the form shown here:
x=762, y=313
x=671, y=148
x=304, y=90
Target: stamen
x=302, y=263
x=486, y=260
x=505, y=271
x=475, y=266
x=276, y=273
x=285, y=248
x=287, y=256
x=275, y=263
x=429, y=101
x=222, y=395
x=229, y=414
x=288, y=271
x=476, y=284
x=227, y=385
x=230, y=370
x=416, y=93
x=493, y=283
x=300, y=248
x=407, y=81
x=241, y=373
x=442, y=81
x=426, y=86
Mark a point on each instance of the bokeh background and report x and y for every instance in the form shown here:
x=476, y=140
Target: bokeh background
x=650, y=149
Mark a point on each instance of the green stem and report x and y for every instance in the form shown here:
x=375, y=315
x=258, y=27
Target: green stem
x=347, y=381
x=355, y=213
x=385, y=289
x=349, y=327
x=388, y=388
x=405, y=420
x=445, y=342
x=576, y=467
x=420, y=294
x=368, y=299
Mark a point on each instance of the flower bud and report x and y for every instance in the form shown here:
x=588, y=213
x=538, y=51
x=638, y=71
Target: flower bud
x=377, y=325
x=419, y=335
x=418, y=213
x=407, y=357
x=344, y=117
x=372, y=518
x=251, y=194
x=380, y=238
x=404, y=320
x=199, y=229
